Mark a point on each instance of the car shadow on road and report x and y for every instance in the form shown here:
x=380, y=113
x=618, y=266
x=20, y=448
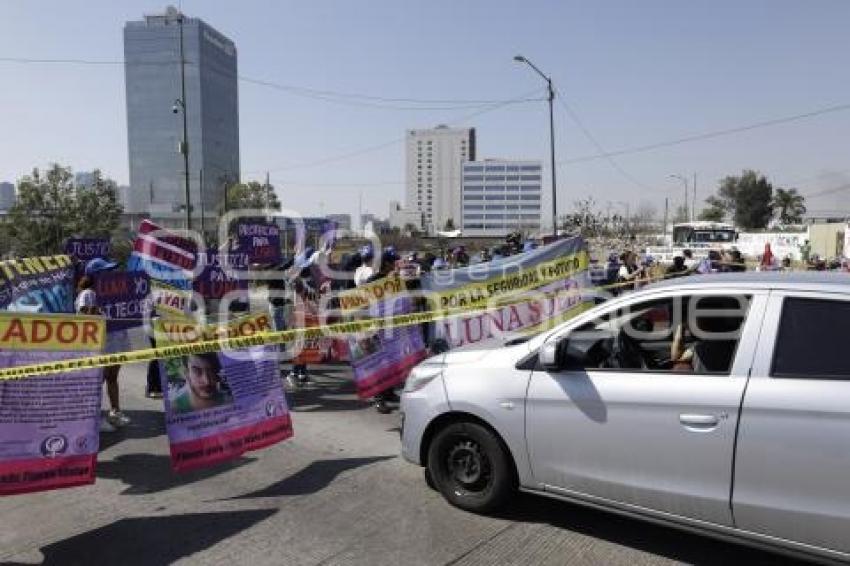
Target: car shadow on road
x=312, y=478
x=151, y=540
x=143, y=424
x=661, y=540
x=152, y=473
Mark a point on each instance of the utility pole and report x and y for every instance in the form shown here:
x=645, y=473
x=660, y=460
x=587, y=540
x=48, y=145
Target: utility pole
x=201, y=191
x=666, y=212
x=694, y=196
x=268, y=188
x=184, y=145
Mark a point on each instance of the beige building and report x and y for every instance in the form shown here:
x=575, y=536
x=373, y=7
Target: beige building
x=434, y=172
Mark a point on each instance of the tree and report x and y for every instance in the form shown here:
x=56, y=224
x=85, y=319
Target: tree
x=251, y=195
x=50, y=208
x=584, y=219
x=712, y=214
x=450, y=225
x=789, y=205
x=643, y=220
x=748, y=199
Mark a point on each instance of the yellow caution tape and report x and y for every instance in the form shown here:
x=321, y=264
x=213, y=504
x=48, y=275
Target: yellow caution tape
x=275, y=338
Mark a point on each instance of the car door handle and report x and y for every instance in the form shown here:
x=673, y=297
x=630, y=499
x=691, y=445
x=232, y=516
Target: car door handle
x=701, y=422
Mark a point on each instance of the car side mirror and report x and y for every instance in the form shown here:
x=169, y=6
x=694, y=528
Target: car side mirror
x=548, y=356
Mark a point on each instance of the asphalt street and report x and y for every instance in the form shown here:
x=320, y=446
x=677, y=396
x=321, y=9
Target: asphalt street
x=336, y=493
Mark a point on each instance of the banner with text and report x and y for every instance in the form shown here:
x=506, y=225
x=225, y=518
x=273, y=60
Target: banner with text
x=218, y=276
x=85, y=249
x=552, y=276
x=220, y=405
x=123, y=298
x=381, y=360
x=49, y=423
x=37, y=284
x=163, y=255
x=260, y=240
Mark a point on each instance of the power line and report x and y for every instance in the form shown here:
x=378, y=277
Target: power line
x=370, y=149
x=828, y=191
x=707, y=135
x=616, y=166
x=338, y=97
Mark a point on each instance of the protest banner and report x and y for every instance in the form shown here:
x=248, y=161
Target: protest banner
x=382, y=360
x=220, y=405
x=260, y=240
x=169, y=301
x=85, y=249
x=37, y=284
x=219, y=274
x=49, y=423
x=313, y=349
x=123, y=298
x=163, y=255
x=552, y=277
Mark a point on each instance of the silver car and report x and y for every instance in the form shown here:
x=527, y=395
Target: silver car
x=716, y=403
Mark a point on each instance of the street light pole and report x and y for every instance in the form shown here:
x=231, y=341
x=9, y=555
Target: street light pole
x=184, y=145
x=551, y=91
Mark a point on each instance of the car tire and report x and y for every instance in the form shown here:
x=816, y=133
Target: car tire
x=470, y=467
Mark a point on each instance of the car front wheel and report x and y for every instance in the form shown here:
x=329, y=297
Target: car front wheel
x=470, y=467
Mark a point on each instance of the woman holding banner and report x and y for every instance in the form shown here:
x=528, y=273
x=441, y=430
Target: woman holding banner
x=117, y=341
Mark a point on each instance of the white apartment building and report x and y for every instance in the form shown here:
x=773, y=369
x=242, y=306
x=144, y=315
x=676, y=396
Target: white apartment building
x=501, y=196
x=435, y=160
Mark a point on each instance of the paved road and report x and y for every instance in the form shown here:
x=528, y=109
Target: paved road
x=336, y=493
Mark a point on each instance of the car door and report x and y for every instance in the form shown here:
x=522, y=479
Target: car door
x=792, y=473
x=656, y=438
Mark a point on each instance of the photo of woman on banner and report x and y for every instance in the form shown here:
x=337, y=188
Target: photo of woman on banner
x=198, y=383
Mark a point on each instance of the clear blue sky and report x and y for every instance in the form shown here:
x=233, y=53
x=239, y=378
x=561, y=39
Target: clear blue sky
x=636, y=72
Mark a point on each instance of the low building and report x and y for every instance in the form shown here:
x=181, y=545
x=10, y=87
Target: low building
x=403, y=218
x=342, y=221
x=501, y=196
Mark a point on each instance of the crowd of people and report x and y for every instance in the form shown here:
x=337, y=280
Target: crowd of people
x=303, y=280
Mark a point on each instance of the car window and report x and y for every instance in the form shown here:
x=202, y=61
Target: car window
x=812, y=339
x=697, y=334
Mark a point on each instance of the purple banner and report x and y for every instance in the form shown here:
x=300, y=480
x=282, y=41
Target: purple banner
x=383, y=359
x=84, y=249
x=218, y=275
x=122, y=296
x=49, y=423
x=260, y=240
x=220, y=405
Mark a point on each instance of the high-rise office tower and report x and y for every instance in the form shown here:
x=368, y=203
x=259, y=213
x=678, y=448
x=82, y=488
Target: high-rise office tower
x=152, y=52
x=434, y=170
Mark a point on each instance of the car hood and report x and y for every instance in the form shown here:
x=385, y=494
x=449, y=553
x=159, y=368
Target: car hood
x=474, y=353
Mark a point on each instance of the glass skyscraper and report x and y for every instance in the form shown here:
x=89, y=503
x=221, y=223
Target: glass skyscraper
x=155, y=129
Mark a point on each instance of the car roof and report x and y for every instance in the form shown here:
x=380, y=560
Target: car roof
x=834, y=282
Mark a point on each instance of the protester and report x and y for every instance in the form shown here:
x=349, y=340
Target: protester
x=768, y=260
x=364, y=271
x=738, y=264
x=629, y=272
x=678, y=269
x=304, y=287
x=116, y=341
x=387, y=268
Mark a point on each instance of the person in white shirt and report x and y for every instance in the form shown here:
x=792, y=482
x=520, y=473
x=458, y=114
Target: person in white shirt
x=363, y=273
x=86, y=303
